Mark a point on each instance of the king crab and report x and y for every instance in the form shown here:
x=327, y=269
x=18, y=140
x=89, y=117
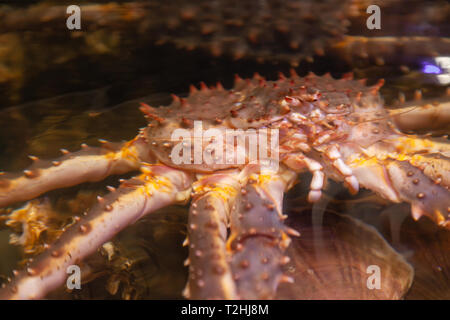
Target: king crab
x=335, y=129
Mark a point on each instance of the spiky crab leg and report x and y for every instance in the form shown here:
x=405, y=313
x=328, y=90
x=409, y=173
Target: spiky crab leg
x=389, y=49
x=410, y=169
x=259, y=237
x=88, y=164
x=422, y=115
x=156, y=187
x=210, y=274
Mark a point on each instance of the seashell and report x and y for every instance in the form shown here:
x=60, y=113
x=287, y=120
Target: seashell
x=335, y=258
x=426, y=246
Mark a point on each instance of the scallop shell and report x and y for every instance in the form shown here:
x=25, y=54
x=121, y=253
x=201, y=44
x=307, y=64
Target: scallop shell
x=427, y=247
x=334, y=258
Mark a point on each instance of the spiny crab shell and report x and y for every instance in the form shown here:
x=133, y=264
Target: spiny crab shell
x=333, y=128
x=311, y=110
x=317, y=116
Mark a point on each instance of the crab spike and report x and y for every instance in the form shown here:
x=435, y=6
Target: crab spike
x=183, y=102
x=150, y=112
x=186, y=293
x=238, y=52
x=175, y=98
x=294, y=63
x=146, y=109
x=237, y=79
x=348, y=76
x=319, y=50
x=418, y=95
x=33, y=158
x=56, y=163
x=293, y=73
x=380, y=83
x=401, y=97
x=379, y=61
x=203, y=86
x=292, y=232
x=257, y=76
x=285, y=260
x=30, y=174
x=219, y=86
x=110, y=146
x=130, y=203
x=192, y=89
x=309, y=59
x=286, y=279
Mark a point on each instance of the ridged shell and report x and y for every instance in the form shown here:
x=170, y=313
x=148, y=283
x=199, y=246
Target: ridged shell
x=331, y=258
x=427, y=247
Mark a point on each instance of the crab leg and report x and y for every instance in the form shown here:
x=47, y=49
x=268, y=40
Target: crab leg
x=334, y=155
x=209, y=270
x=297, y=162
x=429, y=155
x=389, y=49
x=406, y=168
x=88, y=164
x=156, y=187
x=422, y=115
x=259, y=238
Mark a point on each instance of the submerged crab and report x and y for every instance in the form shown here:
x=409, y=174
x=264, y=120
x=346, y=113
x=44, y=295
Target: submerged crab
x=335, y=129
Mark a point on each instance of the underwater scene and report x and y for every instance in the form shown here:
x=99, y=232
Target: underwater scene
x=225, y=149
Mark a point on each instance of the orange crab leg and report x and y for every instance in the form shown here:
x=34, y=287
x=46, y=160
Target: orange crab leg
x=389, y=49
x=156, y=187
x=259, y=237
x=209, y=270
x=88, y=164
x=423, y=115
x=409, y=179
